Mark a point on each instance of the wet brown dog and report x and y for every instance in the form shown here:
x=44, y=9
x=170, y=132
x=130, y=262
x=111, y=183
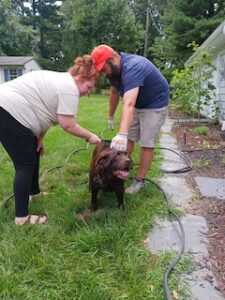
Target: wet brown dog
x=109, y=168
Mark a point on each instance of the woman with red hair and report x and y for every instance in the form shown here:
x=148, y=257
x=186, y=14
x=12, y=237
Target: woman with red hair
x=29, y=106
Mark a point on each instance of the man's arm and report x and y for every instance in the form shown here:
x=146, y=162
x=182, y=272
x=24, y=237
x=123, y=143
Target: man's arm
x=113, y=101
x=129, y=101
x=119, y=142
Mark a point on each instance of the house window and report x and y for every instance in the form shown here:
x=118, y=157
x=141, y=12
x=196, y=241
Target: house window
x=13, y=73
x=10, y=74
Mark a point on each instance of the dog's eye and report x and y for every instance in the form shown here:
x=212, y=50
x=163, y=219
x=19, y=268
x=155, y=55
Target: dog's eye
x=119, y=153
x=101, y=161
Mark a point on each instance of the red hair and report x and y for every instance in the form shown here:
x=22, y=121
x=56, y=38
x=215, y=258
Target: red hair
x=84, y=67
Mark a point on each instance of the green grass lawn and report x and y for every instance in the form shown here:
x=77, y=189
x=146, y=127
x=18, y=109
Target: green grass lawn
x=102, y=258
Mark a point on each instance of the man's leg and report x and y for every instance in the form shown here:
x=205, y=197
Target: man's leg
x=130, y=147
x=150, y=122
x=146, y=158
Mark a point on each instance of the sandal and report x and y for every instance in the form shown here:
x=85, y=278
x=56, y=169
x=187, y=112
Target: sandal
x=31, y=219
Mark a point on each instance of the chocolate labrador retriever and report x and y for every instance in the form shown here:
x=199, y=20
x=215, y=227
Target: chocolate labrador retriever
x=108, y=170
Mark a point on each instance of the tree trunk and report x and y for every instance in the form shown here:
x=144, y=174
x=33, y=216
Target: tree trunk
x=146, y=29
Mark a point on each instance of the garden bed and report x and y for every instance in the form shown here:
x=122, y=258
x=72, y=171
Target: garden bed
x=205, y=147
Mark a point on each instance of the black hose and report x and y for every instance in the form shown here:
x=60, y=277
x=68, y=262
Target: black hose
x=62, y=164
x=170, y=212
x=206, y=149
x=177, y=258
x=184, y=157
x=103, y=131
x=5, y=201
x=182, y=247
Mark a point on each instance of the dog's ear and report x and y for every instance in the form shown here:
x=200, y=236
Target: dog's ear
x=104, y=160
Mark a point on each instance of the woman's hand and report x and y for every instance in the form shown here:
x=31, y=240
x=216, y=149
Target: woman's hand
x=40, y=146
x=93, y=139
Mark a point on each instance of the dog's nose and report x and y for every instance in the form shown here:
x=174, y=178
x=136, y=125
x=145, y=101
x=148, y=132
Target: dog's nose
x=128, y=162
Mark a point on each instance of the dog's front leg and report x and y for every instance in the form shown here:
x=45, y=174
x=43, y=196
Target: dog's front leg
x=120, y=196
x=94, y=193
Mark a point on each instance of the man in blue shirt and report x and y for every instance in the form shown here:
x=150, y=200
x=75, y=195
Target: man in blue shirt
x=145, y=95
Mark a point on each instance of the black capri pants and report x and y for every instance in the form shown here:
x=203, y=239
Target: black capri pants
x=21, y=144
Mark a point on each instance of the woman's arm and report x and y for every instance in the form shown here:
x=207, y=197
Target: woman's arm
x=68, y=123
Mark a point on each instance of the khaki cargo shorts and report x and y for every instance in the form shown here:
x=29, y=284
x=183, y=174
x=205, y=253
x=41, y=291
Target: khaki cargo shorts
x=146, y=124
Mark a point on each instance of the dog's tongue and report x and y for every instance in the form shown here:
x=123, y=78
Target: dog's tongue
x=121, y=174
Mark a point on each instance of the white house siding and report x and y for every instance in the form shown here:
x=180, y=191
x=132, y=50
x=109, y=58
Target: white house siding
x=30, y=66
x=1, y=76
x=21, y=64
x=218, y=80
x=220, y=97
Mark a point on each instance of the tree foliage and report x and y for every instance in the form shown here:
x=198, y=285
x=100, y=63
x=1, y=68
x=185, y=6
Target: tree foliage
x=48, y=20
x=56, y=34
x=16, y=38
x=155, y=9
x=102, y=21
x=185, y=21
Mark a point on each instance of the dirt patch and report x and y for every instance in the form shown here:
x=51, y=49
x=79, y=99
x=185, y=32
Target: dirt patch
x=207, y=153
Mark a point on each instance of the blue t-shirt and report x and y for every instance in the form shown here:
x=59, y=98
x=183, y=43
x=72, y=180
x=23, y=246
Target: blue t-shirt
x=138, y=71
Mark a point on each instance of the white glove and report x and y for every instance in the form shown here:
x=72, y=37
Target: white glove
x=119, y=142
x=111, y=123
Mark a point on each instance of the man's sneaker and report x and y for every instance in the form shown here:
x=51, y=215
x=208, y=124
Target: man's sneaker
x=135, y=187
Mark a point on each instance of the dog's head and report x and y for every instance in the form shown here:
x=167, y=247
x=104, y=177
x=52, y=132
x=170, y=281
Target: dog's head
x=110, y=163
x=114, y=163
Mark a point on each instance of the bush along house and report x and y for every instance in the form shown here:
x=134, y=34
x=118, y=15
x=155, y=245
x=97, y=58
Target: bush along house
x=215, y=43
x=13, y=66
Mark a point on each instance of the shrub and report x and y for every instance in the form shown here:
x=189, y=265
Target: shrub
x=201, y=130
x=192, y=86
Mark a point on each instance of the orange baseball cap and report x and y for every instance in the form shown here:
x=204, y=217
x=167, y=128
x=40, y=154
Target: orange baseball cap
x=100, y=54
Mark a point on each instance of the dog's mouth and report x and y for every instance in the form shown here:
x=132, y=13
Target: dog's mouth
x=122, y=174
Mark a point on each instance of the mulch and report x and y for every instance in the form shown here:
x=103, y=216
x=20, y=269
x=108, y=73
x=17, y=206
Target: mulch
x=207, y=153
